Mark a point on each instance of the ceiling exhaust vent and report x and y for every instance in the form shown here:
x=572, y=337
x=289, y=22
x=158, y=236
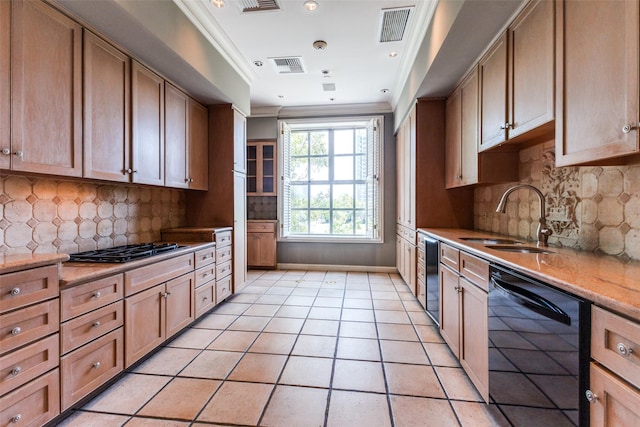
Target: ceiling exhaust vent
x=288, y=65
x=393, y=23
x=328, y=87
x=258, y=5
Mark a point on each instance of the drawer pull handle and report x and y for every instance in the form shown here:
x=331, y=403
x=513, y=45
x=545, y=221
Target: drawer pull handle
x=96, y=365
x=97, y=294
x=591, y=396
x=96, y=324
x=15, y=291
x=15, y=371
x=624, y=350
x=16, y=418
x=15, y=331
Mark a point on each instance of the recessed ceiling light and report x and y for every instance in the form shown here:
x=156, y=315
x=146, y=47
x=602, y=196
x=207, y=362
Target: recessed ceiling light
x=332, y=99
x=217, y=3
x=393, y=54
x=310, y=5
x=281, y=96
x=258, y=63
x=384, y=90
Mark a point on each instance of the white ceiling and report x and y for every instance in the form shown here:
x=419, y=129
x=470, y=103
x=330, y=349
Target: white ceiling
x=359, y=65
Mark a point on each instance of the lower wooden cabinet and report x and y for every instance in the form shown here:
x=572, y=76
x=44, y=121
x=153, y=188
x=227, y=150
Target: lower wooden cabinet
x=27, y=363
x=261, y=244
x=205, y=298
x=33, y=404
x=90, y=366
x=614, y=401
x=156, y=314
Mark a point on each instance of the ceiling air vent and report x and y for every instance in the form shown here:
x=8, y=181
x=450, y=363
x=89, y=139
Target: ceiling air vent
x=258, y=5
x=288, y=65
x=393, y=23
x=328, y=87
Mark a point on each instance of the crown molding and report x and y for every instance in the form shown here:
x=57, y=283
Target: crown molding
x=335, y=110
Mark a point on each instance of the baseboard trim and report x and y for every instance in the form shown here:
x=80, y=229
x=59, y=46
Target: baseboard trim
x=330, y=267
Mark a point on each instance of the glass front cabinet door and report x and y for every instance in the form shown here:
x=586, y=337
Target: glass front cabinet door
x=261, y=168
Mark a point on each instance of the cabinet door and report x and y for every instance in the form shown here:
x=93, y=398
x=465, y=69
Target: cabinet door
x=239, y=142
x=617, y=403
x=493, y=95
x=106, y=110
x=261, y=249
x=180, y=302
x=46, y=90
x=474, y=333
x=5, y=82
x=147, y=105
x=400, y=175
x=410, y=171
x=531, y=68
x=453, y=132
x=450, y=309
x=198, y=136
x=239, y=231
x=469, y=133
x=399, y=256
x=144, y=323
x=597, y=80
x=176, y=145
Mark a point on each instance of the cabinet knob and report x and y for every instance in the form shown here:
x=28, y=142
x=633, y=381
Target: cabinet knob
x=18, y=153
x=6, y=151
x=624, y=350
x=190, y=180
x=166, y=294
x=15, y=371
x=96, y=365
x=96, y=324
x=129, y=170
x=628, y=128
x=97, y=294
x=591, y=396
x=16, y=418
x=15, y=291
x=15, y=331
x=506, y=125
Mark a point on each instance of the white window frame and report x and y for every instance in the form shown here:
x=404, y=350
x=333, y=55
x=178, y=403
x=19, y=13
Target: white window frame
x=375, y=176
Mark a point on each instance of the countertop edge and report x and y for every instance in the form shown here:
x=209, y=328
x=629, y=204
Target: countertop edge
x=10, y=263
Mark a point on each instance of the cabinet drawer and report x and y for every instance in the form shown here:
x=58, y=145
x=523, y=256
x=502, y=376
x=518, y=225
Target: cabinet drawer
x=420, y=275
x=422, y=295
x=475, y=269
x=223, y=254
x=90, y=326
x=615, y=342
x=205, y=298
x=89, y=367
x=421, y=255
x=223, y=238
x=223, y=289
x=28, y=324
x=205, y=257
x=223, y=270
x=27, y=287
x=89, y=296
x=33, y=404
x=261, y=227
x=450, y=256
x=150, y=275
x=205, y=275
x=617, y=403
x=21, y=366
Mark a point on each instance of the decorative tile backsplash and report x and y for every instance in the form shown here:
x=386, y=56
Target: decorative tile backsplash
x=588, y=208
x=262, y=207
x=44, y=215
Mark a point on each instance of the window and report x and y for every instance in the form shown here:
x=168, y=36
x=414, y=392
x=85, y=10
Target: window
x=330, y=184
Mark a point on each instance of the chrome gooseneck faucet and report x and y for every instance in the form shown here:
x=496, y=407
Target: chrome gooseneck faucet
x=543, y=231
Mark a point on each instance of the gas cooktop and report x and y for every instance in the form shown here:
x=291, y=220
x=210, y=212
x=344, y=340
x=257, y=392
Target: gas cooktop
x=125, y=253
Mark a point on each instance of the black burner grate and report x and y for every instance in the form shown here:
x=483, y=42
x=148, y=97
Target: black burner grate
x=125, y=253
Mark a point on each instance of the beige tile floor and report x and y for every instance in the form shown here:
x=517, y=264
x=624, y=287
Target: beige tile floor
x=297, y=348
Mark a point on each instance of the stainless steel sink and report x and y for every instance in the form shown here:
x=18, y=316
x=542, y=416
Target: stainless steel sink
x=490, y=241
x=520, y=249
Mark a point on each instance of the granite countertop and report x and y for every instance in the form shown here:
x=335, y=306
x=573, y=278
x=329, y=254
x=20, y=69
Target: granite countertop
x=16, y=262
x=75, y=273
x=605, y=280
x=196, y=229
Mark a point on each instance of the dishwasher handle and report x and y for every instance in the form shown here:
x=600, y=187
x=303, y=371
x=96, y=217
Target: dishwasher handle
x=532, y=301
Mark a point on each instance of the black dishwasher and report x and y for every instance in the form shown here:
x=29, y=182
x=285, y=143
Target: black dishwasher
x=538, y=351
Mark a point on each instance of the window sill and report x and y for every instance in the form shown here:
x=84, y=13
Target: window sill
x=329, y=239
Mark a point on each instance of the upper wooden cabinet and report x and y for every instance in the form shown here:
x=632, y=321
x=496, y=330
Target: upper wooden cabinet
x=106, y=110
x=5, y=82
x=597, y=81
x=46, y=90
x=516, y=79
x=147, y=125
x=261, y=168
x=239, y=134
x=406, y=171
x=464, y=165
x=186, y=139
